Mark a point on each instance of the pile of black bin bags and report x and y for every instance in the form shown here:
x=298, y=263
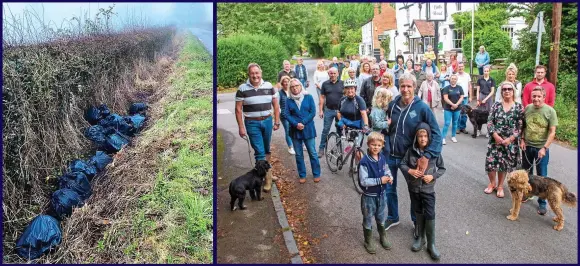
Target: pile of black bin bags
x=110, y=132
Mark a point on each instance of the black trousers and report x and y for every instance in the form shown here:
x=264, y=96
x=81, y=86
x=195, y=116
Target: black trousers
x=423, y=203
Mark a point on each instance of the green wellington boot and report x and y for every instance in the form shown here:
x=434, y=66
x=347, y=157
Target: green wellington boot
x=383, y=235
x=430, y=230
x=419, y=242
x=369, y=246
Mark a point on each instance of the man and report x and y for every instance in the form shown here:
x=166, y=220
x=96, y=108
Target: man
x=354, y=63
x=429, y=67
x=407, y=111
x=539, y=79
x=420, y=76
x=367, y=88
x=330, y=93
x=338, y=65
x=399, y=69
x=382, y=58
x=538, y=133
x=255, y=102
x=301, y=73
x=464, y=80
x=364, y=59
x=286, y=71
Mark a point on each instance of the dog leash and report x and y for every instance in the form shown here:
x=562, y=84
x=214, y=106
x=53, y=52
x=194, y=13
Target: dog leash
x=249, y=152
x=527, y=160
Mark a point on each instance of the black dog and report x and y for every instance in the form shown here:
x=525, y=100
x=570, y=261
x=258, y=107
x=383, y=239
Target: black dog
x=251, y=181
x=477, y=117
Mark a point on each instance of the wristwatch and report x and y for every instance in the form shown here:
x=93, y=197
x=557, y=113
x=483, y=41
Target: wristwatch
x=277, y=124
x=546, y=148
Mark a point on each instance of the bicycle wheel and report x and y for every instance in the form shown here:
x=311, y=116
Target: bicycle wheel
x=333, y=151
x=353, y=171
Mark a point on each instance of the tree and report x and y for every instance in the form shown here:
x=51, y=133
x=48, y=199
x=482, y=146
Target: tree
x=385, y=44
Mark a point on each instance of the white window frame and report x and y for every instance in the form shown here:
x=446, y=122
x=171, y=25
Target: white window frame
x=510, y=30
x=459, y=34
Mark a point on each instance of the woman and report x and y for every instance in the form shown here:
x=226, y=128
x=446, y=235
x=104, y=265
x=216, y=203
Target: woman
x=352, y=109
x=452, y=99
x=409, y=68
x=365, y=73
x=320, y=75
x=453, y=63
x=505, y=124
x=378, y=115
x=482, y=59
x=383, y=67
x=300, y=112
x=485, y=89
x=398, y=69
x=387, y=83
x=444, y=77
x=429, y=92
x=283, y=96
x=511, y=74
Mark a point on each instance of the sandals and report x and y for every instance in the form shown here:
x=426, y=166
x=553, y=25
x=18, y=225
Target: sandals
x=490, y=188
x=500, y=192
x=302, y=180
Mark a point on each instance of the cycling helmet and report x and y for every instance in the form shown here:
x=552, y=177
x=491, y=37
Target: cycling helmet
x=349, y=83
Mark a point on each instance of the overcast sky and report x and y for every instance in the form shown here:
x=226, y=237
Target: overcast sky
x=197, y=16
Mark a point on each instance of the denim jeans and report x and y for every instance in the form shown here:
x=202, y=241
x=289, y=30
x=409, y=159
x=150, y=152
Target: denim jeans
x=480, y=69
x=329, y=116
x=391, y=191
x=303, y=81
x=450, y=117
x=286, y=125
x=314, y=162
x=531, y=155
x=260, y=134
x=463, y=117
x=373, y=206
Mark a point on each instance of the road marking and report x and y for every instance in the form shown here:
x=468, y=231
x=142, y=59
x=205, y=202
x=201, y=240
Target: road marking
x=223, y=111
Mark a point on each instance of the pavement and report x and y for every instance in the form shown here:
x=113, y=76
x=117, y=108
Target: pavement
x=471, y=227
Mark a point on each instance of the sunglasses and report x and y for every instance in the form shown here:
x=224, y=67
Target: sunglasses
x=507, y=89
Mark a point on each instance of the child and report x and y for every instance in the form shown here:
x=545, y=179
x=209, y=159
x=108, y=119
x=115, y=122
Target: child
x=373, y=175
x=422, y=189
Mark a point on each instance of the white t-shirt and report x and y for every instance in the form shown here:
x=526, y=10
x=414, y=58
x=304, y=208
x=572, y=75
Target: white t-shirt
x=464, y=81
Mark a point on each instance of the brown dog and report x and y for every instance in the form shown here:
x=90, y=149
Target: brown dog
x=543, y=187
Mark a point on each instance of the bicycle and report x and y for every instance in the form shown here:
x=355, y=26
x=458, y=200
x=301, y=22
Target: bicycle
x=336, y=157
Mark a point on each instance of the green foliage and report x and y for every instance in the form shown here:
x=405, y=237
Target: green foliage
x=237, y=51
x=385, y=44
x=567, y=129
x=496, y=41
x=285, y=21
x=335, y=50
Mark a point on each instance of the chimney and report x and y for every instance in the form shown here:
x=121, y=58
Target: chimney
x=376, y=10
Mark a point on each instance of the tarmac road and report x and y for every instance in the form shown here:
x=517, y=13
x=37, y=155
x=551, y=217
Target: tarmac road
x=471, y=226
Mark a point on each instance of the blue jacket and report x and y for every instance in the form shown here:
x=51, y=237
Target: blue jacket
x=304, y=115
x=482, y=58
x=283, y=99
x=297, y=70
x=370, y=173
x=404, y=123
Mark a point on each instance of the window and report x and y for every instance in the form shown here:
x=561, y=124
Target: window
x=458, y=6
x=509, y=29
x=457, y=38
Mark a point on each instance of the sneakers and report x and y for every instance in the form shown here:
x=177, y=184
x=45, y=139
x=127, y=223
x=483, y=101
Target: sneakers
x=464, y=131
x=542, y=210
x=454, y=139
x=479, y=133
x=320, y=152
x=444, y=142
x=291, y=151
x=524, y=200
x=390, y=223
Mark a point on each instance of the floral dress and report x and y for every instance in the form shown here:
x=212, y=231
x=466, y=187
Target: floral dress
x=500, y=158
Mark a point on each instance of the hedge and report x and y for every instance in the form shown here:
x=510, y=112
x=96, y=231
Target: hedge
x=237, y=51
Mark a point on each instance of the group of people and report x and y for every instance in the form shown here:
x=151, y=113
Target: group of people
x=396, y=107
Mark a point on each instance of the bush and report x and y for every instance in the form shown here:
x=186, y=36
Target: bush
x=335, y=50
x=567, y=129
x=497, y=43
x=237, y=51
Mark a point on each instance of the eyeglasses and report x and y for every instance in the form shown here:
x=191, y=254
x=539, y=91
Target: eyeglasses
x=507, y=89
x=295, y=86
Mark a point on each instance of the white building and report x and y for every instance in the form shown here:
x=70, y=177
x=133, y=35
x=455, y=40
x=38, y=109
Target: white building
x=366, y=47
x=414, y=42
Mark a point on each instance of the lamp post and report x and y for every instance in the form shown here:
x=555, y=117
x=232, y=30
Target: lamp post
x=395, y=40
x=410, y=33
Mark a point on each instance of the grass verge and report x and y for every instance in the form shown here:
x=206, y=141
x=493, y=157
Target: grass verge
x=174, y=221
x=567, y=129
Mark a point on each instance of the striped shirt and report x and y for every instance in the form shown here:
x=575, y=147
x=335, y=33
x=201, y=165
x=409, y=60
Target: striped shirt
x=257, y=102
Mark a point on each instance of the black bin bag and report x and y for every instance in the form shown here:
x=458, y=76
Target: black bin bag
x=42, y=235
x=100, y=160
x=137, y=108
x=84, y=167
x=78, y=182
x=63, y=201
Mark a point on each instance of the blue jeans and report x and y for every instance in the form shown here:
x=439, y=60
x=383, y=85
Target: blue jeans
x=463, y=117
x=260, y=134
x=314, y=162
x=303, y=81
x=480, y=69
x=531, y=154
x=373, y=207
x=286, y=125
x=392, y=199
x=329, y=116
x=450, y=117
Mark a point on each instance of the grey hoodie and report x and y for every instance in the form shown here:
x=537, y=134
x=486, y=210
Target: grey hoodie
x=435, y=167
